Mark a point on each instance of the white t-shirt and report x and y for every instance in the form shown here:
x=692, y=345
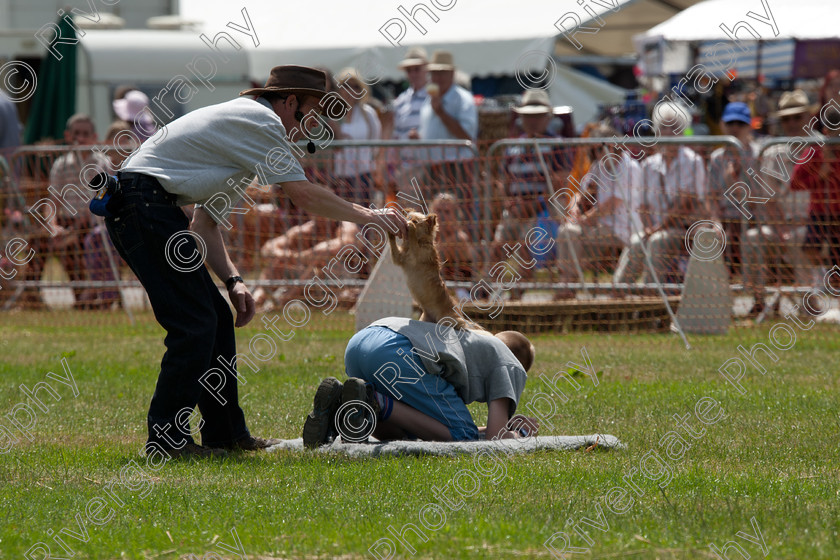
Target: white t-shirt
x=623, y=183
x=212, y=149
x=362, y=124
x=686, y=174
x=718, y=185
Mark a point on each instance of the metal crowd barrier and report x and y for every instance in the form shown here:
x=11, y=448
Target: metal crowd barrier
x=31, y=176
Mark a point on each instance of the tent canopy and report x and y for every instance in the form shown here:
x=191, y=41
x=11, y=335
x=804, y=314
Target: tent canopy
x=483, y=36
x=487, y=37
x=802, y=19
x=794, y=34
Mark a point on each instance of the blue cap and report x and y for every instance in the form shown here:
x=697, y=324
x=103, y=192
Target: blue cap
x=737, y=111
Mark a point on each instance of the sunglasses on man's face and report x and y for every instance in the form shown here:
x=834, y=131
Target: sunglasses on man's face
x=790, y=118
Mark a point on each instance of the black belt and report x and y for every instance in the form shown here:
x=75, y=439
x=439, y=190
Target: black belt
x=128, y=181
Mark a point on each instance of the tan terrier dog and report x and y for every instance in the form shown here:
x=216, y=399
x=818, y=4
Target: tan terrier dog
x=419, y=258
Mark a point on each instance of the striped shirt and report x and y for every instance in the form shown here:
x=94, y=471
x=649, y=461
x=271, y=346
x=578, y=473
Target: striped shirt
x=407, y=112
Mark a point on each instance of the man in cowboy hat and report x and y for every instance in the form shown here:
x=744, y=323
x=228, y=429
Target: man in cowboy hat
x=781, y=221
x=523, y=186
x=451, y=113
x=206, y=157
x=405, y=163
x=408, y=104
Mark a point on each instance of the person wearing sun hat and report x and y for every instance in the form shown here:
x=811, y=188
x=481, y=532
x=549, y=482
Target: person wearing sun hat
x=728, y=166
x=817, y=171
x=449, y=114
x=132, y=109
x=407, y=105
x=207, y=157
x=781, y=221
x=522, y=187
x=405, y=162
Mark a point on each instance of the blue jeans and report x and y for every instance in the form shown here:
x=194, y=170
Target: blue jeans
x=188, y=305
x=379, y=349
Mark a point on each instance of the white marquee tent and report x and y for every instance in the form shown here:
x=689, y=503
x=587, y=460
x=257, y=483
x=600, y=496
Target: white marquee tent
x=487, y=38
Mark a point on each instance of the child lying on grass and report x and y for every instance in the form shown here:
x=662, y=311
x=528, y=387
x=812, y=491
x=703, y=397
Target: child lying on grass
x=418, y=377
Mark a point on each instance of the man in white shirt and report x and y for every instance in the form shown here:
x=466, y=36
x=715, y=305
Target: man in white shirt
x=673, y=191
x=606, y=226
x=203, y=158
x=450, y=114
x=408, y=104
x=407, y=107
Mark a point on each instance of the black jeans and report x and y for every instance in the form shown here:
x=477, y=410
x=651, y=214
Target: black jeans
x=197, y=319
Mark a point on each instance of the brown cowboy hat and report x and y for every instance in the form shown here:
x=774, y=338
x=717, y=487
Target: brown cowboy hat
x=291, y=79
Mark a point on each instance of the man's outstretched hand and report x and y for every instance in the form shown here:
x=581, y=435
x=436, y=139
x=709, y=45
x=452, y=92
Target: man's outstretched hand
x=388, y=218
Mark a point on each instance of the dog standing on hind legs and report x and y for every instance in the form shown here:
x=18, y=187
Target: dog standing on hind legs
x=420, y=260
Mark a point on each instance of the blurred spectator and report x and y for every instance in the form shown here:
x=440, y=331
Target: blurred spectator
x=781, y=229
x=354, y=166
x=102, y=264
x=450, y=114
x=9, y=126
x=673, y=184
x=457, y=250
x=300, y=253
x=121, y=143
x=407, y=108
x=11, y=225
x=408, y=104
x=121, y=90
x=523, y=185
x=131, y=109
x=728, y=166
x=821, y=177
x=599, y=231
x=73, y=220
x=830, y=88
x=101, y=259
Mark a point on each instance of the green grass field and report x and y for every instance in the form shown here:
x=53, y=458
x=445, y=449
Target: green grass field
x=772, y=458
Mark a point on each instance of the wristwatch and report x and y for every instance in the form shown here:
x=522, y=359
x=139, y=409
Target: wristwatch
x=231, y=282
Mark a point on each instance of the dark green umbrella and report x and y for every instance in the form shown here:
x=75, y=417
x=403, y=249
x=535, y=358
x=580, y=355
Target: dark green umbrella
x=55, y=99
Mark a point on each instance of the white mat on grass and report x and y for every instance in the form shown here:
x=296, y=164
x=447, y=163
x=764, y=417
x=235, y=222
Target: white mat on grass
x=393, y=448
